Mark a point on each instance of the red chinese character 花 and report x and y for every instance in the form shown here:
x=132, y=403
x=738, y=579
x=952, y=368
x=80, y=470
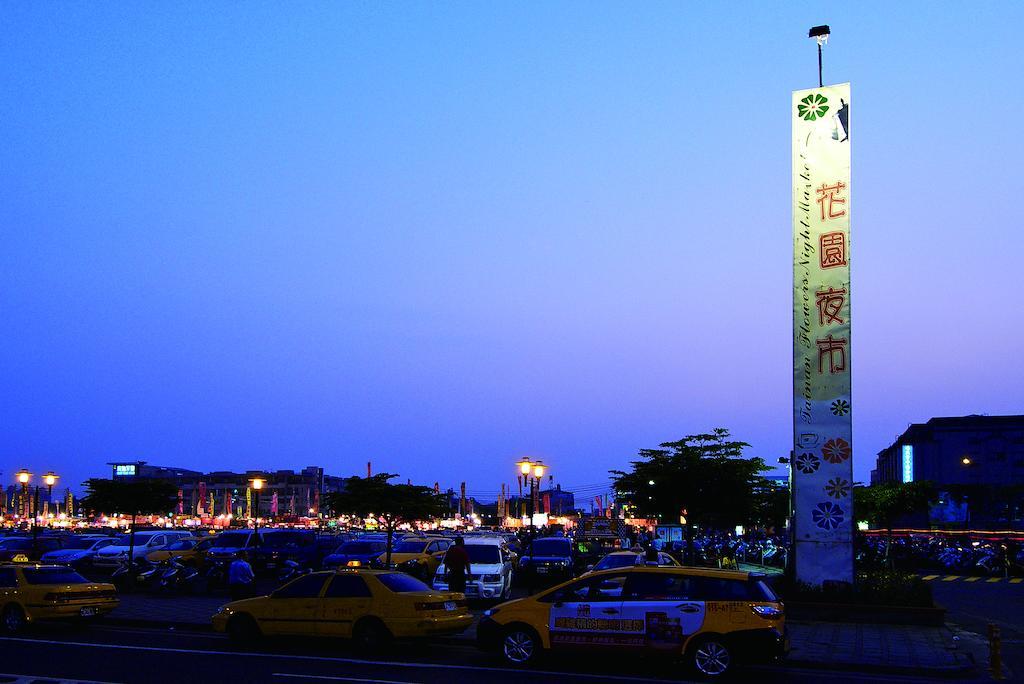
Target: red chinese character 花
x=829, y=200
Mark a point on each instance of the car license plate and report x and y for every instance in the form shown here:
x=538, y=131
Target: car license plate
x=541, y=569
x=87, y=612
x=271, y=565
x=449, y=605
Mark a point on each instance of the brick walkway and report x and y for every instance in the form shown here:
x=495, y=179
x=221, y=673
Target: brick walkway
x=828, y=644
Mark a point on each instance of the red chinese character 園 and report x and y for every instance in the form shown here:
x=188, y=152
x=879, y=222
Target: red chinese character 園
x=833, y=348
x=832, y=249
x=830, y=304
x=829, y=200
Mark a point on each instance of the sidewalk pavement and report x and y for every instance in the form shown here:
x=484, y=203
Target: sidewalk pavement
x=829, y=645
x=889, y=648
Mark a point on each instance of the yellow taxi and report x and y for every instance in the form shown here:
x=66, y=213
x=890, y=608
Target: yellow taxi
x=368, y=606
x=187, y=551
x=712, y=618
x=32, y=592
x=418, y=556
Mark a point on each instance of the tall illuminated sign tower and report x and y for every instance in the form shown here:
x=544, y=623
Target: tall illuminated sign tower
x=822, y=403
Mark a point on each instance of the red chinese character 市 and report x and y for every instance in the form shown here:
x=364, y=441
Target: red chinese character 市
x=834, y=348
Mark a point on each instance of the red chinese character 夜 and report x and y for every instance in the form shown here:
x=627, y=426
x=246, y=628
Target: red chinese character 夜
x=833, y=348
x=830, y=304
x=832, y=248
x=830, y=201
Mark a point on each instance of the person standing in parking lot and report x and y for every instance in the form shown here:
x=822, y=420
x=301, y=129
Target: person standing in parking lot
x=456, y=562
x=240, y=577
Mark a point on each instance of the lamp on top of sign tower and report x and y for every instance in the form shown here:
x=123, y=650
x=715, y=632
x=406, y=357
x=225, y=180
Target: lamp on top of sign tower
x=257, y=487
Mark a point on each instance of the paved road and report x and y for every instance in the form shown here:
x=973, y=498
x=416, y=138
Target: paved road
x=973, y=605
x=111, y=654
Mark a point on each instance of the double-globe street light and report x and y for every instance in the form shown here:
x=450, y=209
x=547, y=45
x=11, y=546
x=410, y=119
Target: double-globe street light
x=30, y=506
x=532, y=472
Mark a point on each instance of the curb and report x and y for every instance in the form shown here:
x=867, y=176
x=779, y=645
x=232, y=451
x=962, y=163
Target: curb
x=944, y=672
x=158, y=624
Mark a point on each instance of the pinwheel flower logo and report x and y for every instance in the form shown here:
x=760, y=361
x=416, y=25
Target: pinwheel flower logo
x=807, y=463
x=836, y=450
x=827, y=515
x=840, y=407
x=838, y=488
x=812, y=107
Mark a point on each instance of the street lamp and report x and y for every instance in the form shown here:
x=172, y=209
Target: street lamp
x=531, y=472
x=257, y=486
x=23, y=477
x=50, y=479
x=966, y=460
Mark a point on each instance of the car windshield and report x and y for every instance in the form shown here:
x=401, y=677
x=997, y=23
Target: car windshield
x=16, y=544
x=79, y=543
x=358, y=547
x=180, y=546
x=483, y=553
x=285, y=538
x=233, y=540
x=551, y=547
x=410, y=547
x=401, y=583
x=53, y=576
x=618, y=560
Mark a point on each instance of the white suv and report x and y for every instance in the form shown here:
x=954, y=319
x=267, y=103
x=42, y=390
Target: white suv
x=145, y=543
x=490, y=567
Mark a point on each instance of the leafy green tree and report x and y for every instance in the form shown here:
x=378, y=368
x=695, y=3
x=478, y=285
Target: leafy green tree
x=130, y=497
x=706, y=475
x=391, y=504
x=883, y=504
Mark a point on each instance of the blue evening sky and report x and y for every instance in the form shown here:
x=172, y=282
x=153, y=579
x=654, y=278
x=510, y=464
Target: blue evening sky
x=441, y=236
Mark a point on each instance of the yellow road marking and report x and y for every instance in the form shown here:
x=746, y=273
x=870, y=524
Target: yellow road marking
x=929, y=578
x=994, y=579
x=1017, y=580
x=950, y=578
x=972, y=579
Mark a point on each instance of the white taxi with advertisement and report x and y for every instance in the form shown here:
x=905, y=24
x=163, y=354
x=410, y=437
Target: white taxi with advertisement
x=712, y=618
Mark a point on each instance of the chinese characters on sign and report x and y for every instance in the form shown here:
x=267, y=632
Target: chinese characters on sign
x=822, y=405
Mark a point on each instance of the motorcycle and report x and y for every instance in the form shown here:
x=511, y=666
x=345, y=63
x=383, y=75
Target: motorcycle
x=290, y=570
x=177, y=576
x=141, y=570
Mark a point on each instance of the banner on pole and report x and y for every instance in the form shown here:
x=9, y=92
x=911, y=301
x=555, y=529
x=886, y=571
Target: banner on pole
x=822, y=460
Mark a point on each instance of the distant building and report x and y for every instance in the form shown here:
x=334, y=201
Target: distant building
x=970, y=453
x=297, y=493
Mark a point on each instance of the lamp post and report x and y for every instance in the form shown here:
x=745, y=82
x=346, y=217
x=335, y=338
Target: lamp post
x=50, y=479
x=532, y=472
x=257, y=485
x=23, y=477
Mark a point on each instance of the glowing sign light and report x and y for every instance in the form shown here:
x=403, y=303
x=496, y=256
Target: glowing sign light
x=124, y=470
x=908, y=463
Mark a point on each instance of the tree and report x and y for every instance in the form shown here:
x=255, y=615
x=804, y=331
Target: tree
x=391, y=504
x=883, y=504
x=131, y=497
x=705, y=474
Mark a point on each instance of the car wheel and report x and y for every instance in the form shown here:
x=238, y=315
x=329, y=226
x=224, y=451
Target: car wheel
x=711, y=657
x=520, y=645
x=13, y=619
x=242, y=629
x=370, y=636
